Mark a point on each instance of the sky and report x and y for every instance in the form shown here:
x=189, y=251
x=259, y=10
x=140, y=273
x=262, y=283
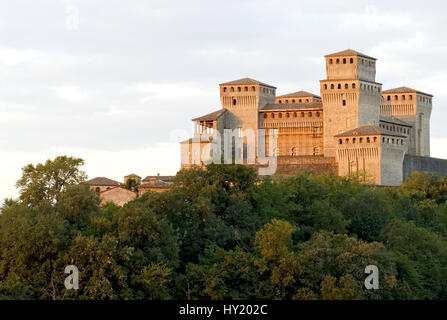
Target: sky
x=117, y=83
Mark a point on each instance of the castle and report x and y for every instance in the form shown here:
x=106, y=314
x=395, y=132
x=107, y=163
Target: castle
x=351, y=128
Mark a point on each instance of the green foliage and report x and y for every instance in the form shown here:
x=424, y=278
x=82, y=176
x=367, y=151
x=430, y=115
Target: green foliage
x=220, y=233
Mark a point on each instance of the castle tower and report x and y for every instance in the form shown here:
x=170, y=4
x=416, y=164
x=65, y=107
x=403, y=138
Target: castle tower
x=350, y=95
x=243, y=99
x=413, y=107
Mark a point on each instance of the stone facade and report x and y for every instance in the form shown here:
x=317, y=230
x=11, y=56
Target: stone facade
x=354, y=128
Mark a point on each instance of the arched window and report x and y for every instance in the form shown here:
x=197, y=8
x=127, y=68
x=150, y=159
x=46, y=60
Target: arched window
x=375, y=139
x=344, y=102
x=339, y=86
x=300, y=100
x=340, y=141
x=353, y=140
x=234, y=101
x=294, y=115
x=353, y=86
x=361, y=140
x=330, y=61
x=310, y=114
x=347, y=140
x=293, y=101
x=287, y=115
x=246, y=88
x=337, y=61
x=280, y=101
x=388, y=98
x=273, y=115
x=325, y=86
x=351, y=60
x=396, y=97
x=307, y=100
x=344, y=60
x=302, y=114
x=265, y=115
x=346, y=86
x=403, y=97
x=317, y=114
x=239, y=89
x=332, y=86
x=287, y=101
x=411, y=97
x=225, y=89
x=253, y=88
x=383, y=139
x=280, y=115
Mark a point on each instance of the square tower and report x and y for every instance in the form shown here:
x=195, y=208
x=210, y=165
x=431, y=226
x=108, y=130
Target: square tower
x=350, y=95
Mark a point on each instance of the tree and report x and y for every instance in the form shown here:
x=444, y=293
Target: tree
x=44, y=182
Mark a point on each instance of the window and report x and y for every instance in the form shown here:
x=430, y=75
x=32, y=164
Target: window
x=353, y=86
x=293, y=100
x=287, y=101
x=246, y=88
x=332, y=86
x=361, y=140
x=316, y=150
x=234, y=101
x=232, y=89
x=325, y=86
x=337, y=61
x=280, y=115
x=344, y=60
x=347, y=140
x=339, y=86
x=265, y=115
x=388, y=98
x=368, y=140
x=403, y=97
x=396, y=97
x=239, y=89
x=411, y=97
x=294, y=115
x=330, y=61
x=225, y=89
x=97, y=191
x=302, y=114
x=287, y=115
x=351, y=60
x=344, y=102
x=353, y=140
x=273, y=115
x=346, y=86
x=307, y=100
x=293, y=151
x=310, y=114
x=375, y=139
x=340, y=141
x=253, y=88
x=318, y=114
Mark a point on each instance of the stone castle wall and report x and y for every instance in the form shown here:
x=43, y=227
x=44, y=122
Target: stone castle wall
x=290, y=165
x=423, y=164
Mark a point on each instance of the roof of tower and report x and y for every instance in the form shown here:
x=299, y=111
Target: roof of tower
x=349, y=52
x=102, y=181
x=247, y=81
x=367, y=130
x=211, y=116
x=405, y=90
x=299, y=94
x=292, y=106
x=394, y=120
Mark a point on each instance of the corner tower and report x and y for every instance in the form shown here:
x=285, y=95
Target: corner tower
x=350, y=95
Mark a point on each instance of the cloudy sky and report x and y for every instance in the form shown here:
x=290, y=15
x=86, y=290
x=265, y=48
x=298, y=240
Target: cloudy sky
x=117, y=82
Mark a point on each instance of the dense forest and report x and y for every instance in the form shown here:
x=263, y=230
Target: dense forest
x=221, y=233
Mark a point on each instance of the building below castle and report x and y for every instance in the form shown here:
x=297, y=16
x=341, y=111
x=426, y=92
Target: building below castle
x=109, y=190
x=353, y=128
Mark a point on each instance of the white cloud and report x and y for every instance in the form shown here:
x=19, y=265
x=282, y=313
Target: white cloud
x=70, y=93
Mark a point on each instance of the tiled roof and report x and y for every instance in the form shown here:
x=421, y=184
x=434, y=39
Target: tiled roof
x=299, y=94
x=196, y=139
x=247, y=81
x=211, y=116
x=395, y=120
x=368, y=130
x=405, y=90
x=103, y=181
x=162, y=178
x=155, y=184
x=292, y=106
x=349, y=52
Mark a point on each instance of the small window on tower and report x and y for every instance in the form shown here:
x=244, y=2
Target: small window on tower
x=346, y=86
x=330, y=61
x=234, y=102
x=344, y=102
x=388, y=98
x=344, y=60
x=351, y=60
x=339, y=86
x=353, y=86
